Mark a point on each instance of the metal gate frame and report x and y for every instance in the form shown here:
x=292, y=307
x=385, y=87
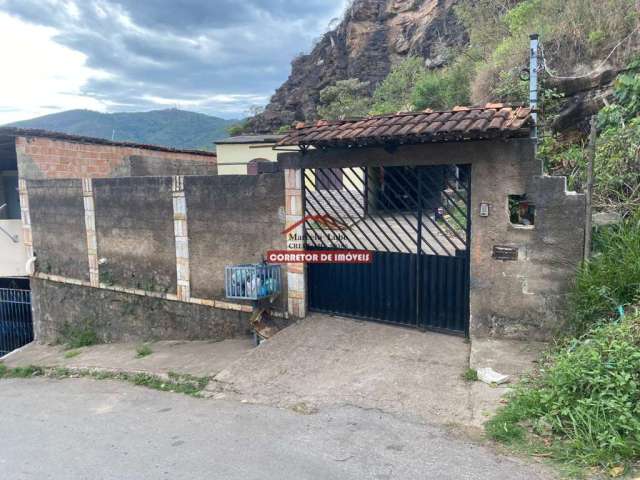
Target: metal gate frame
x=437, y=234
x=16, y=325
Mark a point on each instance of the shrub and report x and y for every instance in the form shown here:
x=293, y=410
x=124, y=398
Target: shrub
x=346, y=99
x=237, y=128
x=585, y=402
x=608, y=280
x=445, y=88
x=394, y=93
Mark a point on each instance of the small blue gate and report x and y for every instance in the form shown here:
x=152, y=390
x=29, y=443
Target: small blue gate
x=16, y=325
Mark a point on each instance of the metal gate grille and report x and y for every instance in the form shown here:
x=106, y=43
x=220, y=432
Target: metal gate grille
x=16, y=327
x=415, y=219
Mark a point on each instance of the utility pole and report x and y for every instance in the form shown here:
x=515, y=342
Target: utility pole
x=591, y=155
x=533, y=82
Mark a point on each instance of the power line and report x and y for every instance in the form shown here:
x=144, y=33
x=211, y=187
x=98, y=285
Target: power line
x=559, y=77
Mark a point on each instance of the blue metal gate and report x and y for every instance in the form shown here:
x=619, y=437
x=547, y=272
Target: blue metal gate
x=416, y=221
x=16, y=326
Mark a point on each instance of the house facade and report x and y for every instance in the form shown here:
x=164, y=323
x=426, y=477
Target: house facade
x=239, y=155
x=464, y=233
x=469, y=236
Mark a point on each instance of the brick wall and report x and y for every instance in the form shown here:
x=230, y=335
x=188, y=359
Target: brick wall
x=40, y=157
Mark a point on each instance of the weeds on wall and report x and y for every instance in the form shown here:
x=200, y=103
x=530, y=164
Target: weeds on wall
x=74, y=336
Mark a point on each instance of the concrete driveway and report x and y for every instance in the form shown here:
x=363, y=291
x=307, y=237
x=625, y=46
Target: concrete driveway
x=323, y=361
x=86, y=429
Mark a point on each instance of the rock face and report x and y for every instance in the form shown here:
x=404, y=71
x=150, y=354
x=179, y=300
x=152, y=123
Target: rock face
x=374, y=35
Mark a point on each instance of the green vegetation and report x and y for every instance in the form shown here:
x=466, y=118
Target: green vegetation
x=573, y=32
x=175, y=382
x=74, y=336
x=470, y=375
x=617, y=162
x=408, y=87
x=171, y=127
x=345, y=99
x=395, y=93
x=72, y=353
x=237, y=128
x=584, y=407
x=143, y=350
x=21, y=372
x=444, y=89
x=611, y=279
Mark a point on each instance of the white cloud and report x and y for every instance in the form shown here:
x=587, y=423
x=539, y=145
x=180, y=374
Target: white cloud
x=40, y=76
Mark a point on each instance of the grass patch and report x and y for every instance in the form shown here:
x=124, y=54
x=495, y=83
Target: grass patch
x=72, y=353
x=143, y=351
x=21, y=372
x=583, y=409
x=470, y=375
x=74, y=336
x=175, y=382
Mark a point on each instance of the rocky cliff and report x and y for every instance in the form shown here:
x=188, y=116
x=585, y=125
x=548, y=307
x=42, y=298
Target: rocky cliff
x=373, y=35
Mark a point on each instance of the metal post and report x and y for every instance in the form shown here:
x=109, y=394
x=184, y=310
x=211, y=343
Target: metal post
x=591, y=154
x=533, y=82
x=419, y=252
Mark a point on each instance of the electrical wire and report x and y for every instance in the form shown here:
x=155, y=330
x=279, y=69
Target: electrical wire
x=559, y=77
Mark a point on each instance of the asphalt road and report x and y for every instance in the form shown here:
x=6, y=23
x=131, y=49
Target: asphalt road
x=88, y=429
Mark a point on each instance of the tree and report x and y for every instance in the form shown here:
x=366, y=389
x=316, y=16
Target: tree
x=237, y=128
x=346, y=99
x=394, y=94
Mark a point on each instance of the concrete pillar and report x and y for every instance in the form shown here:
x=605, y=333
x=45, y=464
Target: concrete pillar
x=181, y=238
x=90, y=226
x=26, y=217
x=296, y=272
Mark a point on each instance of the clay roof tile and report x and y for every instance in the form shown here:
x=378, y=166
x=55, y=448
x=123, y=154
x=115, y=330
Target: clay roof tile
x=461, y=123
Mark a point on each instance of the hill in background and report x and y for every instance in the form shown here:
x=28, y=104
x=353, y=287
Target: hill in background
x=171, y=128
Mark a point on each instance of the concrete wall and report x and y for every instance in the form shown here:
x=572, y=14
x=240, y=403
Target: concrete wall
x=120, y=317
x=525, y=298
x=233, y=158
x=40, y=157
x=227, y=229
x=161, y=242
x=134, y=227
x=58, y=229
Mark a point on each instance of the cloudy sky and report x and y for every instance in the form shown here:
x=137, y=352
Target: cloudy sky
x=213, y=56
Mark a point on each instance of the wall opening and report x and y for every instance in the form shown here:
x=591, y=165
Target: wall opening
x=522, y=212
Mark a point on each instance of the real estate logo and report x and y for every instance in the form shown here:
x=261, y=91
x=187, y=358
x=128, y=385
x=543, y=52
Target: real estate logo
x=321, y=230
